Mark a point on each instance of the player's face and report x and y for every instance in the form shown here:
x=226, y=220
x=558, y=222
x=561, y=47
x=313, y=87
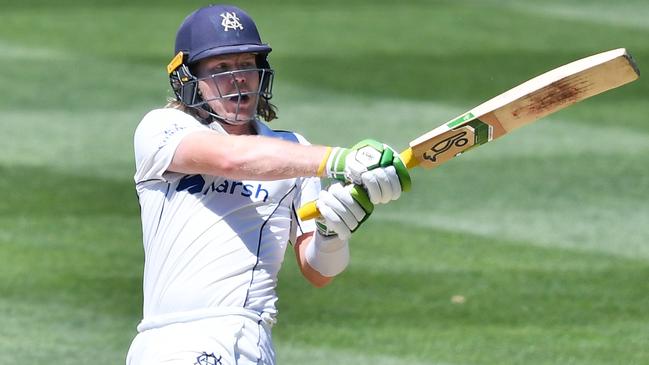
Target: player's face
x=230, y=85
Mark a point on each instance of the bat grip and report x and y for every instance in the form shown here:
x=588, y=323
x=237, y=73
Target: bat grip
x=408, y=158
x=310, y=210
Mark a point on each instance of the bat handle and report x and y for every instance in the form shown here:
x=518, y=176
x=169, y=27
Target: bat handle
x=310, y=210
x=408, y=158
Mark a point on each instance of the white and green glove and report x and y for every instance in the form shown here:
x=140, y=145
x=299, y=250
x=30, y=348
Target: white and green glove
x=374, y=173
x=342, y=209
x=373, y=165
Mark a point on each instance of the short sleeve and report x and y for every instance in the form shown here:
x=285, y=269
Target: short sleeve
x=156, y=139
x=309, y=189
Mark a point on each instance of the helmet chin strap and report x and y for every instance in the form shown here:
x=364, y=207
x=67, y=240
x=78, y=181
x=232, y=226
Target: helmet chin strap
x=218, y=118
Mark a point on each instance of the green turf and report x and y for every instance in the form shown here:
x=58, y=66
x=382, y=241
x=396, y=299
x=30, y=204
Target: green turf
x=544, y=233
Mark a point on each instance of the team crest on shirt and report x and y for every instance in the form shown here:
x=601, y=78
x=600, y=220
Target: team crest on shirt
x=208, y=359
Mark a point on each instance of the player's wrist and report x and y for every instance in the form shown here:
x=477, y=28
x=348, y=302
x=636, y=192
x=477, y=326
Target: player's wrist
x=328, y=255
x=323, y=163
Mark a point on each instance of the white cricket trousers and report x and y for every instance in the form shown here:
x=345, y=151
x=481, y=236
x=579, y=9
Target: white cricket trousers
x=222, y=340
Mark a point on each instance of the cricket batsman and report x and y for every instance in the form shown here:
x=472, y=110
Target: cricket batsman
x=218, y=191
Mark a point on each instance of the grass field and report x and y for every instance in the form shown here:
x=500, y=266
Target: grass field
x=543, y=235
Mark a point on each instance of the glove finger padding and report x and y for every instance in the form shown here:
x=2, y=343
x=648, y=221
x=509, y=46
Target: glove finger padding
x=378, y=186
x=382, y=184
x=395, y=182
x=344, y=195
x=371, y=185
x=341, y=212
x=330, y=209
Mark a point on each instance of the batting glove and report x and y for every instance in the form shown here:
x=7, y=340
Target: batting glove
x=374, y=165
x=342, y=210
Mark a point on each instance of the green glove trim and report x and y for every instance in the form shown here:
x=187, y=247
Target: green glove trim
x=360, y=195
x=336, y=163
x=387, y=157
x=369, y=142
x=323, y=229
x=402, y=173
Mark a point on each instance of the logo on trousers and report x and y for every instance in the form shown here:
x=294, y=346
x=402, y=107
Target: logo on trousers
x=208, y=359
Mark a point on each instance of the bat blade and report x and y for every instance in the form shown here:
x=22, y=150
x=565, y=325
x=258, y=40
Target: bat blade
x=524, y=104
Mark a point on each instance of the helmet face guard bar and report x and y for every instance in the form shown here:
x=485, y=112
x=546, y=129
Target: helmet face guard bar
x=185, y=87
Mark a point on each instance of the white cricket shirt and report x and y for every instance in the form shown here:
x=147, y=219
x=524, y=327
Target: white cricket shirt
x=211, y=244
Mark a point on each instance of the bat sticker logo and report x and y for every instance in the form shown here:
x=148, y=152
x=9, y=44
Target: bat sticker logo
x=444, y=145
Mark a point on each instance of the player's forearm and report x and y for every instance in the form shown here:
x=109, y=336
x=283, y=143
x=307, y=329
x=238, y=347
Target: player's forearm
x=313, y=276
x=271, y=159
x=246, y=157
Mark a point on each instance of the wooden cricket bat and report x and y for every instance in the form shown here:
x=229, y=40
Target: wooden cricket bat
x=522, y=105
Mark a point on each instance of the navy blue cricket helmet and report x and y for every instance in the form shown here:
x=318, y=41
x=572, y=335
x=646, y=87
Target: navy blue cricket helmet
x=217, y=30
x=210, y=31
